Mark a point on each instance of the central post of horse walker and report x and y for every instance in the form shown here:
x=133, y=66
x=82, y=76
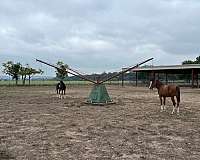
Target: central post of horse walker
x=99, y=94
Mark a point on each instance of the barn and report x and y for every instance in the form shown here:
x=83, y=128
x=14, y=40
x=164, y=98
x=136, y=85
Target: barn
x=191, y=70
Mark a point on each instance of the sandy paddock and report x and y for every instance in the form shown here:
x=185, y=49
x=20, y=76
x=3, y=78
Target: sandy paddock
x=35, y=124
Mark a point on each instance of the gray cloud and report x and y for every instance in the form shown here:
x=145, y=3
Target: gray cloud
x=98, y=36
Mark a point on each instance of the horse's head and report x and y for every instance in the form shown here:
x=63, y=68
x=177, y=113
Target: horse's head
x=155, y=84
x=151, y=84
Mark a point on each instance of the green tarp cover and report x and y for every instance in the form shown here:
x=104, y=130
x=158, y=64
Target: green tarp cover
x=99, y=94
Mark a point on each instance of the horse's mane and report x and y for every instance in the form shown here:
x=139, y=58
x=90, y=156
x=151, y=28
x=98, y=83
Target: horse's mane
x=61, y=82
x=159, y=82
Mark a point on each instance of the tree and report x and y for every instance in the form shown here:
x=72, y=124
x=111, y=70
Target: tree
x=188, y=62
x=12, y=69
x=62, y=72
x=28, y=71
x=197, y=61
x=32, y=72
x=23, y=73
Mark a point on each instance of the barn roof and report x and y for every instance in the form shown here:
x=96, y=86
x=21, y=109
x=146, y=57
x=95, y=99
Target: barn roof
x=169, y=68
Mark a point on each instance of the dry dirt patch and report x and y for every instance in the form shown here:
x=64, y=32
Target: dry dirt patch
x=35, y=124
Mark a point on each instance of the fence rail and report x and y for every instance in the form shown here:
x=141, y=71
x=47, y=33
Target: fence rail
x=54, y=82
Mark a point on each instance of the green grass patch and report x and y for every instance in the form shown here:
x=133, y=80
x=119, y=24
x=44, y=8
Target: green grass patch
x=53, y=82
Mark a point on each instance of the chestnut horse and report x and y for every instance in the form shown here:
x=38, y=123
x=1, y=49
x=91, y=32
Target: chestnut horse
x=166, y=91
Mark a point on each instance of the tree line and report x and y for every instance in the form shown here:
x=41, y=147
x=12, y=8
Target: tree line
x=25, y=72
x=17, y=70
x=197, y=61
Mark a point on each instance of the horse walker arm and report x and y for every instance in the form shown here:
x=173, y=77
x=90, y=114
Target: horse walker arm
x=71, y=71
x=126, y=70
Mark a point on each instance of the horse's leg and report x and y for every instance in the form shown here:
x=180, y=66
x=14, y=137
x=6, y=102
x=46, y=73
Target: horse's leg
x=63, y=92
x=59, y=94
x=177, y=105
x=174, y=104
x=161, y=106
x=164, y=103
x=57, y=91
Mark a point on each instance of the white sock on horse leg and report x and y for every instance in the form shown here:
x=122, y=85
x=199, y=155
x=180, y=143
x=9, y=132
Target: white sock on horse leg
x=173, y=110
x=178, y=110
x=161, y=108
x=164, y=108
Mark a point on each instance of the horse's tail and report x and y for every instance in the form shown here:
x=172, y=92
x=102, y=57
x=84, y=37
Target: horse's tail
x=178, y=94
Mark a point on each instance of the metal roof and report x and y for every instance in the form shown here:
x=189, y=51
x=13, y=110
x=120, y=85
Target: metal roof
x=171, y=67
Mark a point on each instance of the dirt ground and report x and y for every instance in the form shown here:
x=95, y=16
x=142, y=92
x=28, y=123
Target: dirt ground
x=36, y=125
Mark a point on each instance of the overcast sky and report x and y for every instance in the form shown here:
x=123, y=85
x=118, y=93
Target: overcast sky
x=99, y=35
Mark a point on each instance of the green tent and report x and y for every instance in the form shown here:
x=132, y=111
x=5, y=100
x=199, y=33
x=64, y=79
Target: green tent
x=99, y=95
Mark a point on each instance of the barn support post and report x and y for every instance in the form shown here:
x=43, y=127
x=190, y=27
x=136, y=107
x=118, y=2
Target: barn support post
x=166, y=78
x=149, y=77
x=136, y=78
x=158, y=76
x=192, y=78
x=122, y=79
x=197, y=80
x=152, y=76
